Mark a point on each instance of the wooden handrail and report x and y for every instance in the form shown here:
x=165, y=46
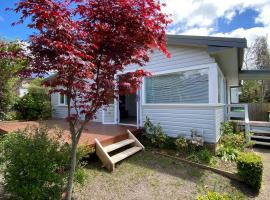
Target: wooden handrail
x=245, y=116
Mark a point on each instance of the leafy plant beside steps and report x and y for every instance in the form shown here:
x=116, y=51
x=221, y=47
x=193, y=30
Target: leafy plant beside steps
x=155, y=137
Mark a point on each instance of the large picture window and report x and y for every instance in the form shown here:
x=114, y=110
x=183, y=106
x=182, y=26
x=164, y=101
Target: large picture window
x=180, y=87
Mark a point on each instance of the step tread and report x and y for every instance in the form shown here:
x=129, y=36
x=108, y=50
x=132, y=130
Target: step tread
x=259, y=131
x=260, y=137
x=118, y=145
x=262, y=143
x=124, y=154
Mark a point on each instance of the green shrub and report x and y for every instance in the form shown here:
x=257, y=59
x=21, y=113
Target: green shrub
x=181, y=144
x=227, y=153
x=12, y=115
x=205, y=156
x=237, y=141
x=34, y=164
x=159, y=137
x=250, y=169
x=227, y=128
x=213, y=196
x=154, y=134
x=34, y=106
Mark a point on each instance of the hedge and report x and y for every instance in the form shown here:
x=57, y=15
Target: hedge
x=250, y=169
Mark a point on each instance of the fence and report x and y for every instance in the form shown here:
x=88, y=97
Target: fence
x=259, y=111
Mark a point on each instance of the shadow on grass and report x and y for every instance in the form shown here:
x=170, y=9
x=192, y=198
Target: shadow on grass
x=148, y=161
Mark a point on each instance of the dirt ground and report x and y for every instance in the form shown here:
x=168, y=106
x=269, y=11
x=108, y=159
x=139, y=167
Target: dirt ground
x=152, y=177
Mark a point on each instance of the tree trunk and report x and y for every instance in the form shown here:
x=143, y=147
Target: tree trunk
x=71, y=169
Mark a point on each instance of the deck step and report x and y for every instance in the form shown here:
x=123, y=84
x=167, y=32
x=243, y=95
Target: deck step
x=118, y=145
x=124, y=154
x=260, y=137
x=108, y=160
x=262, y=143
x=259, y=131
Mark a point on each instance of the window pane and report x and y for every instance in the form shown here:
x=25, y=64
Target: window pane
x=221, y=89
x=62, y=99
x=181, y=87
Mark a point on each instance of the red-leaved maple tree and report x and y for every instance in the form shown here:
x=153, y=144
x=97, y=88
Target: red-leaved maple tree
x=87, y=43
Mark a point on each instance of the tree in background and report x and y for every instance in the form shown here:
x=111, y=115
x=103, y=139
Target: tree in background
x=87, y=42
x=251, y=91
x=262, y=61
x=257, y=56
x=11, y=61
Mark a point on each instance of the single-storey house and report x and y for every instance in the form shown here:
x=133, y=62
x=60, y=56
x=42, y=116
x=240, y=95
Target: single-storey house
x=187, y=91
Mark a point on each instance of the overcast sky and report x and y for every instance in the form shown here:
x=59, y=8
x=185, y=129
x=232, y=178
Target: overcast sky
x=229, y=18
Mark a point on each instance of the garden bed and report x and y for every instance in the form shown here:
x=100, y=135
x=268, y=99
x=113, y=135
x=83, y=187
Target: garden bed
x=234, y=157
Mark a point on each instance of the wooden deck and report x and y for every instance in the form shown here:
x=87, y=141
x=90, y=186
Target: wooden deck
x=253, y=123
x=106, y=134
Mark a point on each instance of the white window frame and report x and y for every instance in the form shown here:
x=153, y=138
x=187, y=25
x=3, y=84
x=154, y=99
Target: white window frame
x=59, y=100
x=223, y=87
x=198, y=67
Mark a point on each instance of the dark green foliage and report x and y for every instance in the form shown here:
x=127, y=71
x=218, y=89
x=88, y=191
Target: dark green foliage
x=213, y=196
x=34, y=106
x=199, y=155
x=9, y=66
x=35, y=165
x=250, y=169
x=251, y=91
x=205, y=156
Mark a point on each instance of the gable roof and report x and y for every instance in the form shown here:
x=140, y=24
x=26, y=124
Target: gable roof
x=206, y=41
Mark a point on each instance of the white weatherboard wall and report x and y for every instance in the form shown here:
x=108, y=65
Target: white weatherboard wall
x=181, y=57
x=58, y=111
x=180, y=119
x=61, y=111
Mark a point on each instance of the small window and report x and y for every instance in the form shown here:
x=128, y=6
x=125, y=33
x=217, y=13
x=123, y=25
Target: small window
x=62, y=99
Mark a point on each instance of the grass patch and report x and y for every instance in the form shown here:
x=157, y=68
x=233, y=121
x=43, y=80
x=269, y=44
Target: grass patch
x=150, y=176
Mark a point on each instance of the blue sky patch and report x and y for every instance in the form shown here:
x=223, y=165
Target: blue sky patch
x=244, y=20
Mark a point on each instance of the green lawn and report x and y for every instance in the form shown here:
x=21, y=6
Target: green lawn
x=150, y=176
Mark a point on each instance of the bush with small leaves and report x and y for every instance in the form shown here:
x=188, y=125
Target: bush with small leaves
x=35, y=163
x=250, y=169
x=34, y=106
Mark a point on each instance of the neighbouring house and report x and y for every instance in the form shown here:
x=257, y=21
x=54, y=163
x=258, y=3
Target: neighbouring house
x=22, y=87
x=187, y=92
